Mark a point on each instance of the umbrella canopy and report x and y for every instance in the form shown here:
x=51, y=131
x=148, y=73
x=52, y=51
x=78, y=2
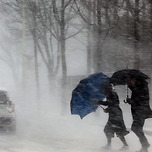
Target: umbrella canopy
x=87, y=89
x=119, y=77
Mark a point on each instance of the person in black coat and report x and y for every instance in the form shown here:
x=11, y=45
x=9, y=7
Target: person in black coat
x=140, y=108
x=115, y=122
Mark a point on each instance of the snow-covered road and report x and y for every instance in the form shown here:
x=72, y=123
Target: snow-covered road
x=52, y=132
x=12, y=143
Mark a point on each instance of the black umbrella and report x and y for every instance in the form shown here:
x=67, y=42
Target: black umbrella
x=119, y=77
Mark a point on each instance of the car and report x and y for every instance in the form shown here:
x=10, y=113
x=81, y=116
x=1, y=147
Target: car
x=7, y=112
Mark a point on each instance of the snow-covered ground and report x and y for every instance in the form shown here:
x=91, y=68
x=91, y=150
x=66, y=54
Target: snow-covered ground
x=46, y=130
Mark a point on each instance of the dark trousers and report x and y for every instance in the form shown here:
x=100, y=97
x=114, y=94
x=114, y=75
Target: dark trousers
x=137, y=128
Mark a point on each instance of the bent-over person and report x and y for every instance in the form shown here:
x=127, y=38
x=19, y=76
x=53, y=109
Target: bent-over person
x=115, y=124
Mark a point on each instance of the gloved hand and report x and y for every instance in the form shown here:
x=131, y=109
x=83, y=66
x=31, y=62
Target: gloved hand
x=106, y=110
x=95, y=100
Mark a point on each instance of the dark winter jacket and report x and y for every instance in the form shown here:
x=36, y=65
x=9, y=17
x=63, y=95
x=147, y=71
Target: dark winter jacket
x=140, y=100
x=115, y=113
x=115, y=120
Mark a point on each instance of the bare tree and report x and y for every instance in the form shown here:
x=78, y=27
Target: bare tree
x=136, y=34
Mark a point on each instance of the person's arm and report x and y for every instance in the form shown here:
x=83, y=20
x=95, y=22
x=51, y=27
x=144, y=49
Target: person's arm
x=104, y=103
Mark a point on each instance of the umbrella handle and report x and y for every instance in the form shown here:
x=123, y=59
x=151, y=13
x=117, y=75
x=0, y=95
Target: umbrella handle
x=125, y=101
x=104, y=109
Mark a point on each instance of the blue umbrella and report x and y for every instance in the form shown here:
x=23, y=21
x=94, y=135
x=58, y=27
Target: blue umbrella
x=86, y=90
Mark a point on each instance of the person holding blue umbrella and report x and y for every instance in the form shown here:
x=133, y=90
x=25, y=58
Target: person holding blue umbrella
x=88, y=88
x=115, y=122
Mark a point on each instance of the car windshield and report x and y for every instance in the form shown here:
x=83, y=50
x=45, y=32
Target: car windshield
x=3, y=98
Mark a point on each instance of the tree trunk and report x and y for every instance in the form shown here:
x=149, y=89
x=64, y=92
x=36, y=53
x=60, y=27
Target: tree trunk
x=151, y=19
x=62, y=41
x=89, y=43
x=23, y=83
x=115, y=17
x=151, y=47
x=35, y=42
x=36, y=67
x=63, y=58
x=98, y=40
x=106, y=13
x=136, y=36
x=127, y=17
x=143, y=21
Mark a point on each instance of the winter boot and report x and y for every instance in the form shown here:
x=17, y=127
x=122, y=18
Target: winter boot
x=124, y=147
x=107, y=147
x=143, y=150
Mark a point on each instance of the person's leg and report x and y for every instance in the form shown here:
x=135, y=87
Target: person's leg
x=109, y=141
x=137, y=128
x=125, y=145
x=123, y=141
x=109, y=134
